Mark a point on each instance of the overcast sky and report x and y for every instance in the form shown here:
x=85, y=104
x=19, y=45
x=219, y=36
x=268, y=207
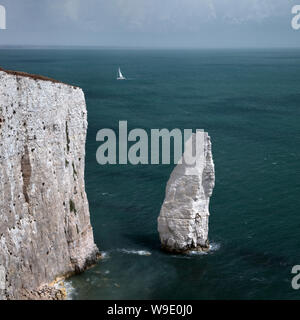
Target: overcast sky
x=151, y=23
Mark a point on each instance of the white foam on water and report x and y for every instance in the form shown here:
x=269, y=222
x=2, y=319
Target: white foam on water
x=70, y=290
x=138, y=252
x=214, y=246
x=105, y=255
x=197, y=253
x=67, y=285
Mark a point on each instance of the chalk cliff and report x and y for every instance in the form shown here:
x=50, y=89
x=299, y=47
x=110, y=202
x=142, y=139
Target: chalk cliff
x=45, y=229
x=183, y=219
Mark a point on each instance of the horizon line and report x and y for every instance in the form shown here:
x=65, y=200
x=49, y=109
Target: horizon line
x=36, y=46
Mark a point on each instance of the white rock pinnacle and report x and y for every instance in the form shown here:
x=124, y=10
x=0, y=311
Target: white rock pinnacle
x=183, y=219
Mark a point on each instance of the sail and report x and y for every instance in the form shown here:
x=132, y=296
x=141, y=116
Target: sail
x=120, y=77
x=120, y=74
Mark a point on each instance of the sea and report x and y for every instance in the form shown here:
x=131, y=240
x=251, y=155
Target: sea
x=248, y=100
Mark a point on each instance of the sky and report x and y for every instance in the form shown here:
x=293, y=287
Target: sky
x=150, y=23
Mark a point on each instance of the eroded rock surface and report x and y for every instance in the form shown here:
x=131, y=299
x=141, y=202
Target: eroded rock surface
x=183, y=219
x=45, y=229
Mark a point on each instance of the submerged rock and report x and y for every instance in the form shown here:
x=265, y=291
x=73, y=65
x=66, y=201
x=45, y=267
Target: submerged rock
x=183, y=219
x=45, y=229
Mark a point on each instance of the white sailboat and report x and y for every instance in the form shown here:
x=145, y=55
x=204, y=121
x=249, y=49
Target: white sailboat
x=120, y=77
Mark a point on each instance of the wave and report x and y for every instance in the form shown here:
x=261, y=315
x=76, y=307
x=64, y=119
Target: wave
x=71, y=291
x=138, y=252
x=197, y=253
x=212, y=248
x=104, y=255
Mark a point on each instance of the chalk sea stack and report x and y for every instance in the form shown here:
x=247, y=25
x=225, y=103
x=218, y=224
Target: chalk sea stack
x=45, y=229
x=183, y=219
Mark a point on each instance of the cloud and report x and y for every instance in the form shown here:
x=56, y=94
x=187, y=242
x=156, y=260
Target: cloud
x=71, y=8
x=245, y=11
x=150, y=15
x=102, y=21
x=212, y=9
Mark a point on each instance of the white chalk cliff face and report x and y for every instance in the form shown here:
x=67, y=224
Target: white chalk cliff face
x=45, y=229
x=183, y=219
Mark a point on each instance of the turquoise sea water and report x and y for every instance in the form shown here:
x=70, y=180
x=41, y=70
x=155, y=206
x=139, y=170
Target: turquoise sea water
x=249, y=102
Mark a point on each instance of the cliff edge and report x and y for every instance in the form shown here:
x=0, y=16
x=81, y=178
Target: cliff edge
x=45, y=229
